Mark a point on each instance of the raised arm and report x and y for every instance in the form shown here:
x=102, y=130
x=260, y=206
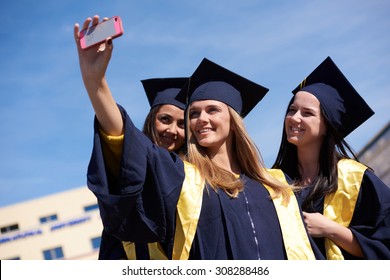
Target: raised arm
x=93, y=65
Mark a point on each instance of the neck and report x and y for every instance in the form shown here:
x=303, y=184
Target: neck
x=308, y=161
x=225, y=158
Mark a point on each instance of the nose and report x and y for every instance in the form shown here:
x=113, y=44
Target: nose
x=202, y=117
x=295, y=117
x=172, y=129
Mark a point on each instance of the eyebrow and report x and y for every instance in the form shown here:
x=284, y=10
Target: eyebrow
x=303, y=108
x=205, y=107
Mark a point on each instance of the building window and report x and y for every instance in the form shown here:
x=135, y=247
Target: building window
x=53, y=254
x=96, y=242
x=48, y=218
x=91, y=207
x=14, y=258
x=9, y=228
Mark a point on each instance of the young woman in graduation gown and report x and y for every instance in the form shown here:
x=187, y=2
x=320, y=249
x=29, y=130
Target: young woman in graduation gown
x=164, y=126
x=221, y=203
x=346, y=206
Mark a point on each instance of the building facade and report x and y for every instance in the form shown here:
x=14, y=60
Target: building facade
x=376, y=154
x=65, y=225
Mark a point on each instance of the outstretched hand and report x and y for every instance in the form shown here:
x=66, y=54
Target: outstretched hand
x=94, y=60
x=93, y=65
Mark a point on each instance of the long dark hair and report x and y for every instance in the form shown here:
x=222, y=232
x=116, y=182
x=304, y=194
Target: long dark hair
x=333, y=148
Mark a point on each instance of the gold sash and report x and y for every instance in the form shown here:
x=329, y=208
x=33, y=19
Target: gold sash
x=296, y=241
x=339, y=206
x=188, y=212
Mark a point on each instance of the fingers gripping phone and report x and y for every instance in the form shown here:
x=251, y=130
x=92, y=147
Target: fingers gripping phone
x=98, y=33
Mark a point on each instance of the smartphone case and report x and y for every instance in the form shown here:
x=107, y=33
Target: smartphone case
x=98, y=33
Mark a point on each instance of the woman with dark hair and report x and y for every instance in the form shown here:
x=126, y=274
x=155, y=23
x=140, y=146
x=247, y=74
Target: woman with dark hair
x=164, y=126
x=346, y=206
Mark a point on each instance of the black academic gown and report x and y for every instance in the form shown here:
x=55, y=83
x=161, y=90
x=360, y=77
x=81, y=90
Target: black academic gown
x=370, y=223
x=140, y=205
x=111, y=248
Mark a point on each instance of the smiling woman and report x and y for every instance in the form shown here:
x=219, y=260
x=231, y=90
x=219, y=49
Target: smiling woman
x=164, y=126
x=346, y=206
x=210, y=125
x=304, y=122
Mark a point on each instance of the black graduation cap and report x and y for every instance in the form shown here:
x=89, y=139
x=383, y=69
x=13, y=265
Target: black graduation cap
x=214, y=82
x=343, y=105
x=162, y=91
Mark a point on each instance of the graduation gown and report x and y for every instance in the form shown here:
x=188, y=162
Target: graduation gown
x=365, y=211
x=111, y=248
x=139, y=205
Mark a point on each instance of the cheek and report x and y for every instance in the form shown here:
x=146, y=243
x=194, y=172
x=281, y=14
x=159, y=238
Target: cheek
x=193, y=124
x=160, y=127
x=180, y=134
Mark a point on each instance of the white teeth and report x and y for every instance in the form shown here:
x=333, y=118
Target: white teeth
x=204, y=130
x=295, y=129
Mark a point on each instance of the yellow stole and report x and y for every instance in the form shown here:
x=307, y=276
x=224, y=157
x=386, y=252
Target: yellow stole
x=295, y=239
x=340, y=205
x=188, y=212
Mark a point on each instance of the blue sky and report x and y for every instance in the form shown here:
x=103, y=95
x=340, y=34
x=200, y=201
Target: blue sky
x=45, y=114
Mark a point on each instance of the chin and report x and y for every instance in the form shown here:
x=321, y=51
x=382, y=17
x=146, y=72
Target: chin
x=292, y=140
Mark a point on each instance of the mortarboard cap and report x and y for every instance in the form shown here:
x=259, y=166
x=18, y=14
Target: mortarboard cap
x=162, y=91
x=343, y=105
x=211, y=81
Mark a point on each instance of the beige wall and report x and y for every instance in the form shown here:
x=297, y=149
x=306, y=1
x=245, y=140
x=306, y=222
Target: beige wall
x=73, y=230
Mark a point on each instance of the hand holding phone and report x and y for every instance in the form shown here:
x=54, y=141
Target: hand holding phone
x=98, y=33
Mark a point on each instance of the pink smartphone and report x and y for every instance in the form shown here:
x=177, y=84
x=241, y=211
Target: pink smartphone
x=98, y=33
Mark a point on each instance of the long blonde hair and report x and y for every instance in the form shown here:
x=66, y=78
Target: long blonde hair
x=247, y=155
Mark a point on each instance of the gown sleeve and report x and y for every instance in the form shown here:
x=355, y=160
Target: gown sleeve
x=137, y=202
x=371, y=220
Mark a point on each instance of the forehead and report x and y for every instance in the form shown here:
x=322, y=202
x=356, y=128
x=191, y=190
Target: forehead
x=206, y=103
x=306, y=99
x=170, y=109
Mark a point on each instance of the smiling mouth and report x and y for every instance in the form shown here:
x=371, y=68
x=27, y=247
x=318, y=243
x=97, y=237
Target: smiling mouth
x=168, y=139
x=295, y=129
x=204, y=130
